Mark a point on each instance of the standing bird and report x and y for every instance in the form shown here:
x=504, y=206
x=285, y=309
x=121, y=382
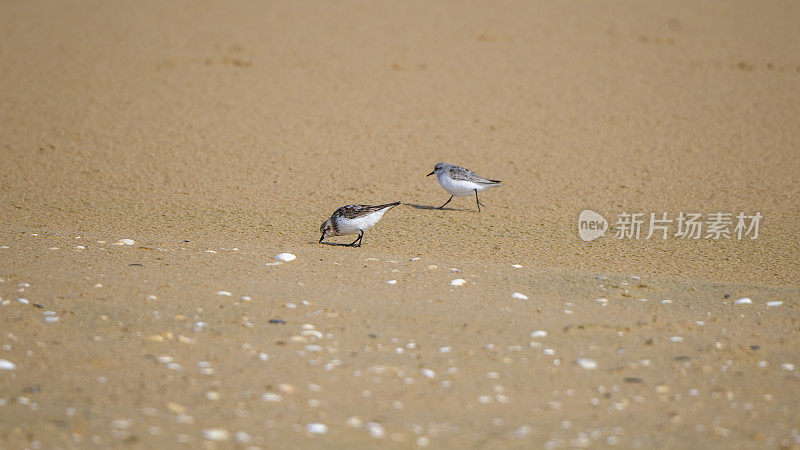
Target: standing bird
x=460, y=182
x=353, y=219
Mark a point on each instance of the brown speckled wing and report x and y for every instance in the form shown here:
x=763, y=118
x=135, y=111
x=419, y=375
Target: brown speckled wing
x=356, y=211
x=460, y=173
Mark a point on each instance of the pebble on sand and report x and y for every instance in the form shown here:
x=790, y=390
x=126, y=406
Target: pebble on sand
x=286, y=257
x=519, y=296
x=743, y=301
x=7, y=365
x=586, y=363
x=317, y=428
x=458, y=282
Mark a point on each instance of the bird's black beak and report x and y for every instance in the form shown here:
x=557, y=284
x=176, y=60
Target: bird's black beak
x=321, y=238
x=430, y=173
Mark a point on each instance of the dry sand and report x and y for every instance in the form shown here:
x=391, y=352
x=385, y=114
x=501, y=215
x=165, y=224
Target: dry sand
x=239, y=128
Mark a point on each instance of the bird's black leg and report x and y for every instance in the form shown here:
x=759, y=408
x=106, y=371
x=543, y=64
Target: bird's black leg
x=353, y=244
x=478, y=201
x=448, y=201
x=358, y=239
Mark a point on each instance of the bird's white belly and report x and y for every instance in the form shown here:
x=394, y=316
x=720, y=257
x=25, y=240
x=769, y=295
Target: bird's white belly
x=459, y=188
x=352, y=226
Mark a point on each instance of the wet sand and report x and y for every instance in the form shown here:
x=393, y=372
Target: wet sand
x=216, y=137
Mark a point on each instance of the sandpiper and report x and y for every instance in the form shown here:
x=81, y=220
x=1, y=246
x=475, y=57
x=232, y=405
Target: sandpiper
x=353, y=219
x=460, y=182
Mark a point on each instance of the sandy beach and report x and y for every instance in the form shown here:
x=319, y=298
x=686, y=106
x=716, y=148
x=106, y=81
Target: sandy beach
x=215, y=136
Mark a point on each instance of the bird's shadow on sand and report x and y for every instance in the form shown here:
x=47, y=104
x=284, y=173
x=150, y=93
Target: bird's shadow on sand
x=334, y=244
x=429, y=207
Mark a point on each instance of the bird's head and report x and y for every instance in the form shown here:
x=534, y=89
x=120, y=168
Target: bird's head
x=326, y=229
x=437, y=169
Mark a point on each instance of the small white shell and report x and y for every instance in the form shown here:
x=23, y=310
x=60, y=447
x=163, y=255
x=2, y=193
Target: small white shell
x=317, y=428
x=285, y=257
x=216, y=434
x=314, y=333
x=586, y=363
x=7, y=365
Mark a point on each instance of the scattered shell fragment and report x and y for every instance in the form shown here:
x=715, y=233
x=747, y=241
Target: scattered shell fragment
x=176, y=408
x=391, y=281
x=538, y=334
x=225, y=293
x=376, y=430
x=216, y=434
x=787, y=366
x=286, y=257
x=7, y=365
x=124, y=242
x=743, y=301
x=586, y=363
x=519, y=296
x=186, y=340
x=286, y=388
x=271, y=397
x=243, y=437
x=458, y=282
x=428, y=373
x=775, y=303
x=317, y=428
x=354, y=422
